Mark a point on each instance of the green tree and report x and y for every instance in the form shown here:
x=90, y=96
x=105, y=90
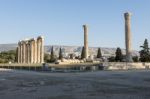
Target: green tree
x=82, y=53
x=60, y=54
x=144, y=53
x=111, y=59
x=8, y=56
x=99, y=54
x=135, y=58
x=119, y=55
x=46, y=57
x=16, y=55
x=52, y=57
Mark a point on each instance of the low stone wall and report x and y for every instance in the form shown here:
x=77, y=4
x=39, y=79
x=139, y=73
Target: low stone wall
x=125, y=65
x=20, y=65
x=82, y=66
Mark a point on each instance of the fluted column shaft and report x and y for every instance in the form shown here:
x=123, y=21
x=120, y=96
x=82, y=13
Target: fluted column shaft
x=21, y=54
x=128, y=37
x=24, y=52
x=28, y=53
x=32, y=51
x=19, y=45
x=17, y=53
x=38, y=51
x=35, y=51
x=42, y=51
x=85, y=41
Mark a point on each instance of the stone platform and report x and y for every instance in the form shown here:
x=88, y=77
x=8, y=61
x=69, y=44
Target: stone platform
x=79, y=66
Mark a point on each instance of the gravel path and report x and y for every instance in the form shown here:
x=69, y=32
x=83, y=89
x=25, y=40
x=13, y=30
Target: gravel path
x=87, y=85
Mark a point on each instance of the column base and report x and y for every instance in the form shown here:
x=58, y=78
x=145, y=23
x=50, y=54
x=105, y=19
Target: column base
x=129, y=59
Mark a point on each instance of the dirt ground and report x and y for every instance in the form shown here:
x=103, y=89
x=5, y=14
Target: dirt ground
x=82, y=85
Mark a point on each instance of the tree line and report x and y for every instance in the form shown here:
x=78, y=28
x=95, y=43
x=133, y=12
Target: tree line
x=8, y=56
x=11, y=56
x=119, y=57
x=49, y=58
x=144, y=54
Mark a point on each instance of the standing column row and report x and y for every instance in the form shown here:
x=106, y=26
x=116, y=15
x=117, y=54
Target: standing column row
x=31, y=51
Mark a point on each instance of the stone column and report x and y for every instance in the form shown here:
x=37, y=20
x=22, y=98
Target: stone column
x=26, y=60
x=35, y=51
x=42, y=50
x=28, y=54
x=19, y=46
x=21, y=52
x=24, y=52
x=38, y=50
x=32, y=50
x=85, y=41
x=128, y=37
x=17, y=52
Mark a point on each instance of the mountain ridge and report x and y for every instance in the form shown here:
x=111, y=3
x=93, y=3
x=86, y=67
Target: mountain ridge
x=106, y=51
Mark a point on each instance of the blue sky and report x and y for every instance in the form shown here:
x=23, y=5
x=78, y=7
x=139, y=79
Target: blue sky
x=60, y=21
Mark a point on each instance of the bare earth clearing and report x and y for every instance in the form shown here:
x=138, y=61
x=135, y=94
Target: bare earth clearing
x=84, y=85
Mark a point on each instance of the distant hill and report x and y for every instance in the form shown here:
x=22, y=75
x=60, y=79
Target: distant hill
x=69, y=49
x=7, y=47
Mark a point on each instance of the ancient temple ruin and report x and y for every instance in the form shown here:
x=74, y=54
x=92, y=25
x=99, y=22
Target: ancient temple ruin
x=31, y=51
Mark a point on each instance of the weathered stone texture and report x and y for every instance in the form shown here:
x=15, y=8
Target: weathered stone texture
x=31, y=51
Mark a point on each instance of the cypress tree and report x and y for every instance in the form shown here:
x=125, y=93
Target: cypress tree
x=144, y=53
x=82, y=53
x=99, y=54
x=60, y=54
x=119, y=55
x=52, y=59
